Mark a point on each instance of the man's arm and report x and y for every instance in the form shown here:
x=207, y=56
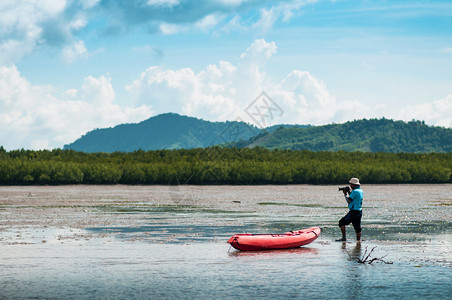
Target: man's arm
x=348, y=199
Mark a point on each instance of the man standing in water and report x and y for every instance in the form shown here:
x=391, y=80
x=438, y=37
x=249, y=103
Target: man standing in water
x=355, y=206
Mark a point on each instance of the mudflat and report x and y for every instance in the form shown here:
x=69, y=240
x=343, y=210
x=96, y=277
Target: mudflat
x=121, y=241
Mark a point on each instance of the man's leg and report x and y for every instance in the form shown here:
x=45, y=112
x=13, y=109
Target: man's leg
x=342, y=223
x=344, y=236
x=357, y=226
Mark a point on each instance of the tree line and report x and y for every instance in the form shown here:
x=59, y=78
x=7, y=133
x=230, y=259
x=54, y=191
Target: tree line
x=216, y=165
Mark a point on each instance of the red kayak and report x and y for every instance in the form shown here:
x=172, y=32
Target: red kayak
x=291, y=239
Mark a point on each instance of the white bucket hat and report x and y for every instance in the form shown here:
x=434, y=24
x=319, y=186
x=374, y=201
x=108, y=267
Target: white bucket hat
x=354, y=181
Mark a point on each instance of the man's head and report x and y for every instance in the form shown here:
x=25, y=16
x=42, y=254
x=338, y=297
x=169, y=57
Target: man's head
x=354, y=183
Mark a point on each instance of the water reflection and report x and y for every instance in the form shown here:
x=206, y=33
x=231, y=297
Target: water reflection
x=267, y=254
x=355, y=252
x=353, y=273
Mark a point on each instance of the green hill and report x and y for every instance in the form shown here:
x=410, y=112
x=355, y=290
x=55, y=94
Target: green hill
x=375, y=135
x=165, y=131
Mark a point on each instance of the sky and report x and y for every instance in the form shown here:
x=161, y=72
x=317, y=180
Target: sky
x=68, y=67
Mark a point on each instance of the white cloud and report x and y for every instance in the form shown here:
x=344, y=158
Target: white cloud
x=438, y=113
x=219, y=92
x=266, y=21
x=208, y=22
x=89, y=3
x=167, y=3
x=259, y=52
x=232, y=2
x=223, y=91
x=227, y=15
x=78, y=23
x=73, y=52
x=169, y=29
x=39, y=117
x=268, y=16
x=77, y=51
x=21, y=26
x=25, y=25
x=305, y=99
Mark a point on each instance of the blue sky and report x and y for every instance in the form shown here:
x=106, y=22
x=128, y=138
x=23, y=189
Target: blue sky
x=67, y=67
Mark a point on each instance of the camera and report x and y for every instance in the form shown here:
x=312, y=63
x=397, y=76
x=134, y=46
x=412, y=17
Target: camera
x=345, y=188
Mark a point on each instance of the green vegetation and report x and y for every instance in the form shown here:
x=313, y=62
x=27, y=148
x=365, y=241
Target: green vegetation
x=216, y=165
x=373, y=135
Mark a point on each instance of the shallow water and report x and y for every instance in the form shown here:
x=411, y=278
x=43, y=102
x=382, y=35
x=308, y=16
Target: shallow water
x=170, y=241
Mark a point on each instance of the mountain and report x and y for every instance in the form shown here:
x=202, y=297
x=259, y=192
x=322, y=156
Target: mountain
x=375, y=135
x=165, y=131
x=173, y=131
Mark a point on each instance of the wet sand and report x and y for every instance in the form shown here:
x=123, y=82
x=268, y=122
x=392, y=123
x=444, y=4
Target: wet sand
x=401, y=212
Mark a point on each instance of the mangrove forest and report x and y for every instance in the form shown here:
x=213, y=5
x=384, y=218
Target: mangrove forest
x=216, y=165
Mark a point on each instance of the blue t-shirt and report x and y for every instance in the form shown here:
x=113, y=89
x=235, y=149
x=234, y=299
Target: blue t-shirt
x=357, y=199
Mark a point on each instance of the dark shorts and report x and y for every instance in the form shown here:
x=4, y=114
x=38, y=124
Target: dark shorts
x=354, y=217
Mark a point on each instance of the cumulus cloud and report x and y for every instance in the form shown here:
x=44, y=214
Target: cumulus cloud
x=26, y=24
x=38, y=117
x=227, y=91
x=305, y=99
x=220, y=91
x=438, y=113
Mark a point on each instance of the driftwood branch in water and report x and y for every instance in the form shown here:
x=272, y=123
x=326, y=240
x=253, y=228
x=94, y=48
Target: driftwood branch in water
x=367, y=259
